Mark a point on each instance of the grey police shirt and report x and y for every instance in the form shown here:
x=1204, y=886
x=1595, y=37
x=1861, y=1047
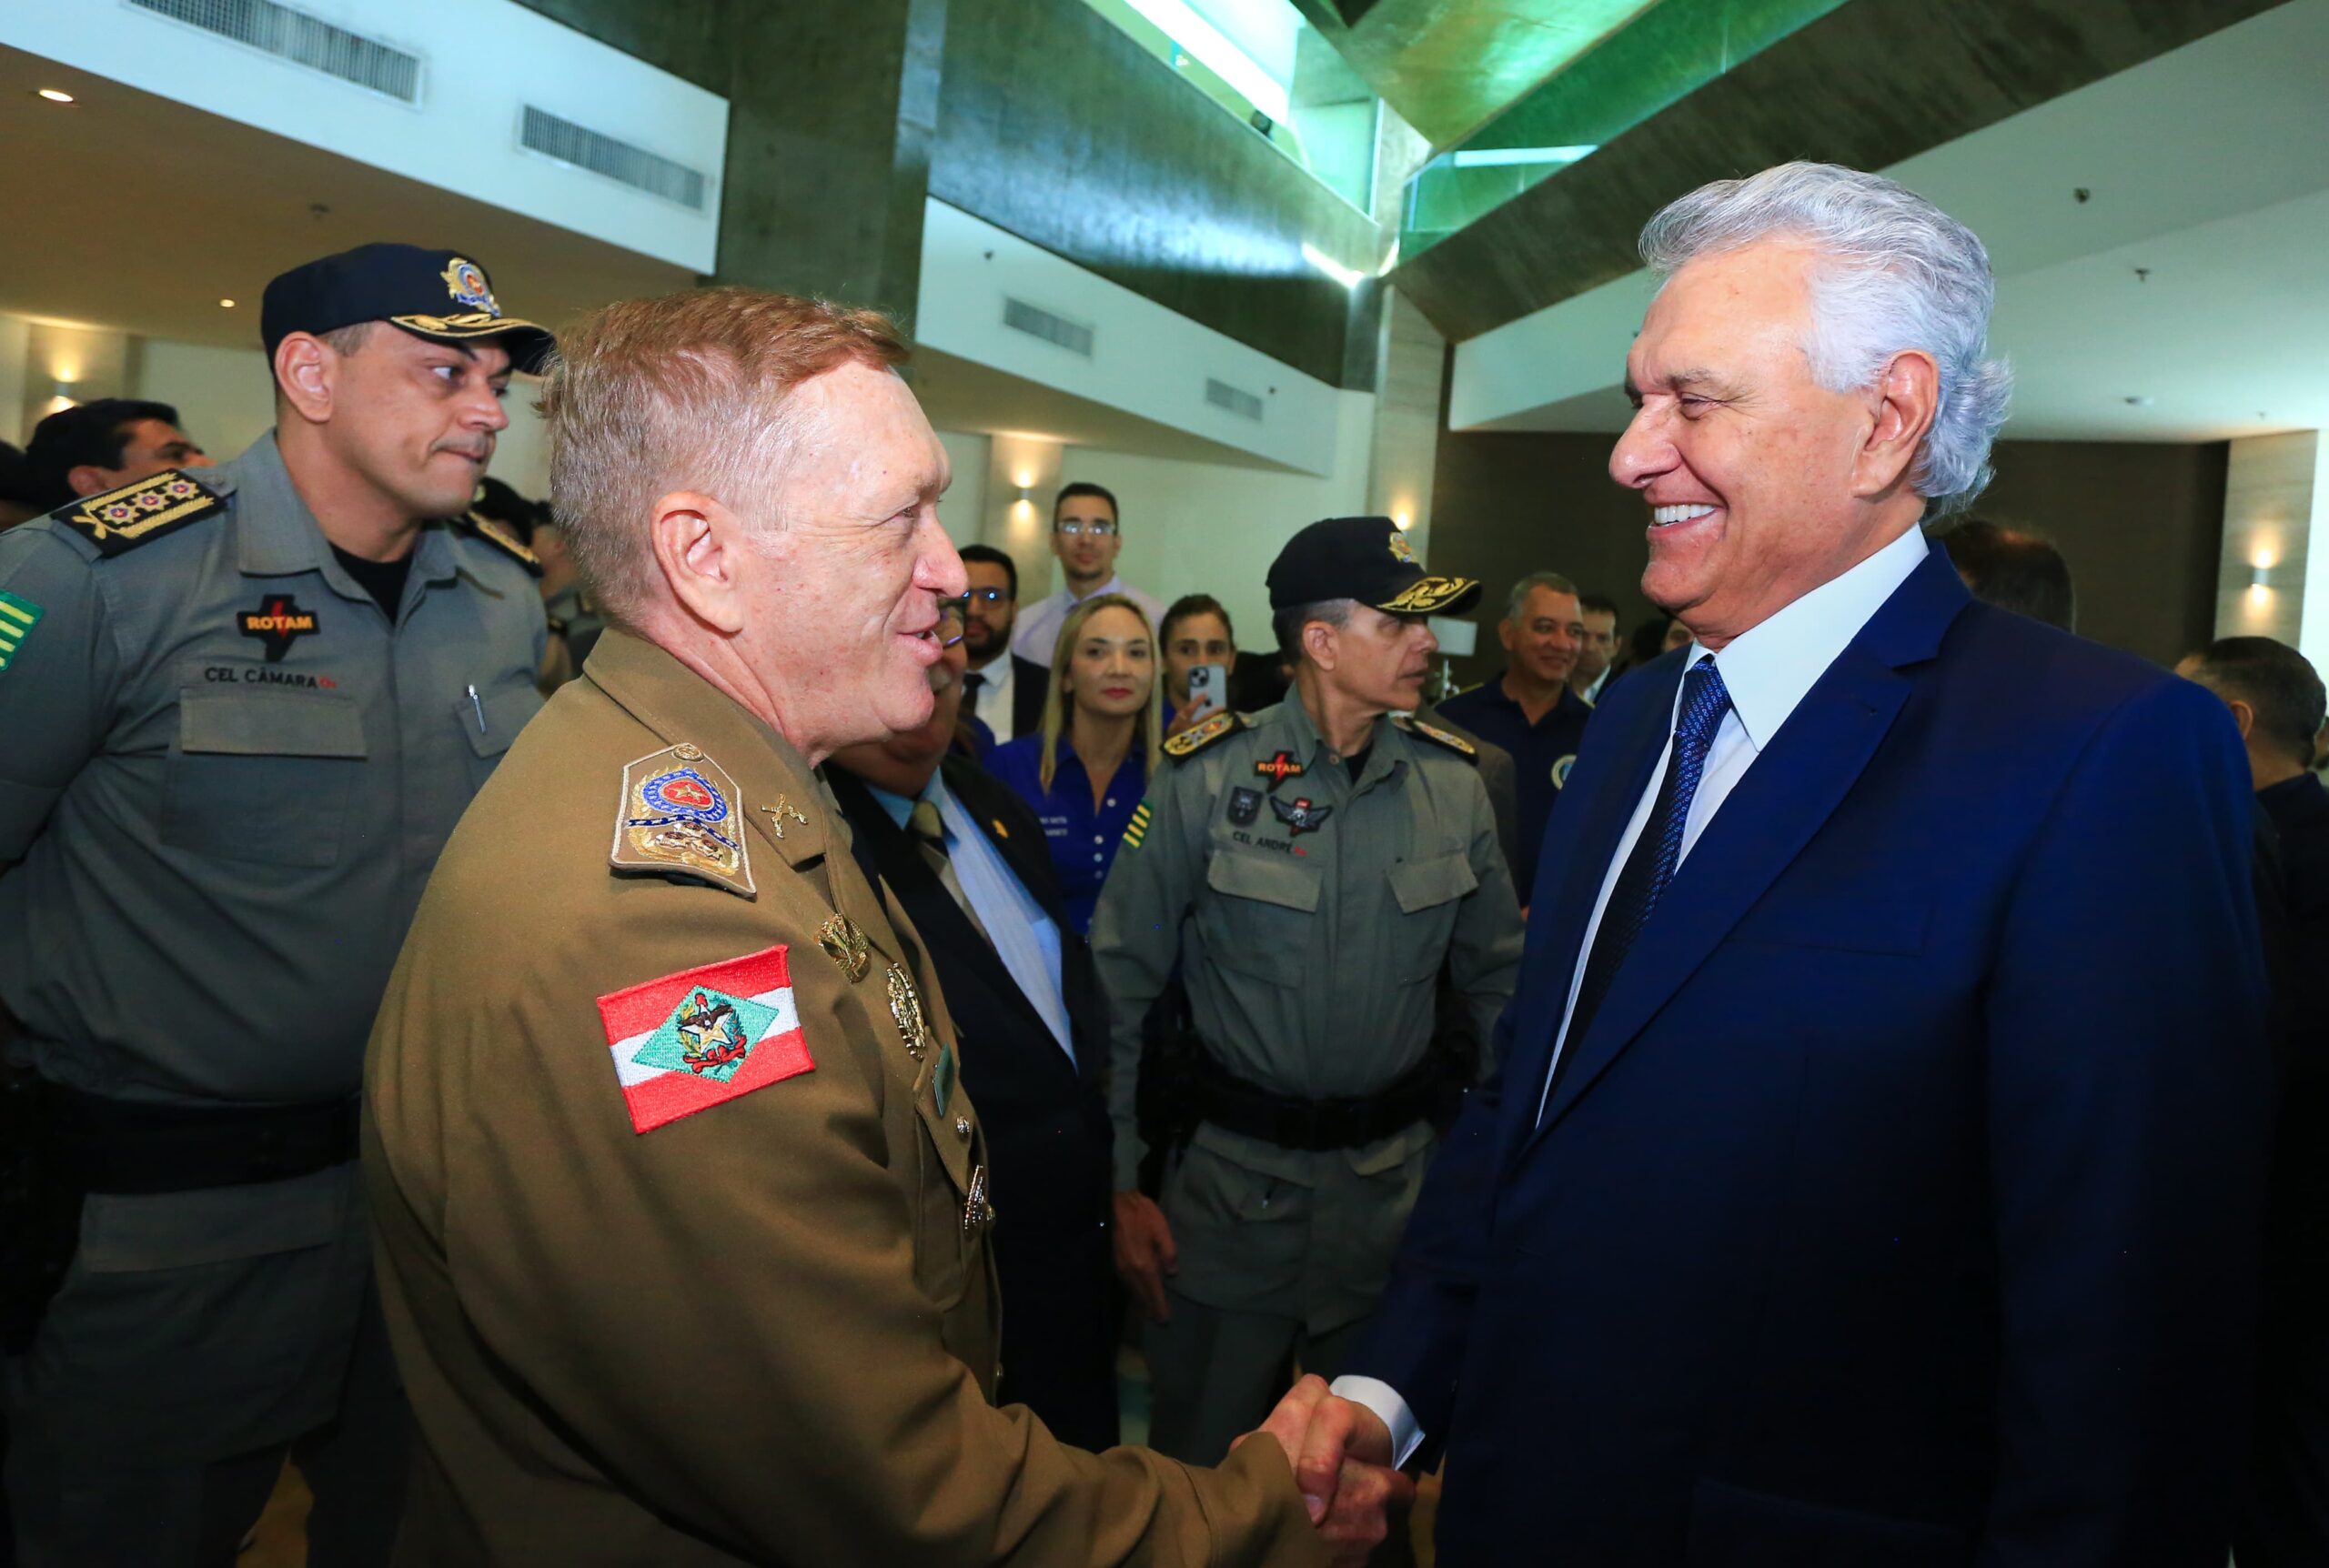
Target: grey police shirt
x=226, y=774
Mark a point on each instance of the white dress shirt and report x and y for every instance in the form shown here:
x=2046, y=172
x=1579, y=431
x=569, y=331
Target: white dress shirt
x=1767, y=669
x=1039, y=626
x=997, y=683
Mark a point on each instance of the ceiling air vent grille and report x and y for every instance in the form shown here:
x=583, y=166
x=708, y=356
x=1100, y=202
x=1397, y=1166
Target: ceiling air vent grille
x=303, y=40
x=1236, y=399
x=1037, y=322
x=544, y=133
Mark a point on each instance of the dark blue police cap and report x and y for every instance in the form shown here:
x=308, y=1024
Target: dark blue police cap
x=435, y=294
x=1364, y=558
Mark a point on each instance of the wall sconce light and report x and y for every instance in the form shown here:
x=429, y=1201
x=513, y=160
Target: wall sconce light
x=60, y=397
x=2260, y=577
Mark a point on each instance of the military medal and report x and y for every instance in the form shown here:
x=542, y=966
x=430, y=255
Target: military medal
x=845, y=945
x=977, y=1212
x=906, y=1010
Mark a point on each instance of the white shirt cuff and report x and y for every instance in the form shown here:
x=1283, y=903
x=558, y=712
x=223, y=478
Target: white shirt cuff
x=1384, y=1400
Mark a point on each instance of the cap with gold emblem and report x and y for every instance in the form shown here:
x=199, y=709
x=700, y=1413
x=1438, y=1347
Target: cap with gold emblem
x=1365, y=559
x=435, y=294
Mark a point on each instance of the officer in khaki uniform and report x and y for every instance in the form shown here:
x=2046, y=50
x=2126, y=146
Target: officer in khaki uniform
x=1314, y=869
x=684, y=1211
x=237, y=734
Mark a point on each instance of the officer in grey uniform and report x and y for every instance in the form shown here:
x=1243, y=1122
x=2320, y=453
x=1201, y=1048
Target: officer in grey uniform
x=243, y=708
x=1319, y=871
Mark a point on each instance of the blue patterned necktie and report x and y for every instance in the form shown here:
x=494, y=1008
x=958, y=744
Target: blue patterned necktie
x=1656, y=853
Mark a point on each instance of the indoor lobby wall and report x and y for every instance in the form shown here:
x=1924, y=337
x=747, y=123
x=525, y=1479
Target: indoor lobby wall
x=2140, y=525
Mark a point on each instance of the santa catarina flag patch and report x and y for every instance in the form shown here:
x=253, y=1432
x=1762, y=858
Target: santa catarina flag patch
x=688, y=1041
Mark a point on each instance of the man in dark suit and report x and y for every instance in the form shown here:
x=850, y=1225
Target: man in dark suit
x=966, y=858
x=1874, y=1172
x=1006, y=691
x=2277, y=703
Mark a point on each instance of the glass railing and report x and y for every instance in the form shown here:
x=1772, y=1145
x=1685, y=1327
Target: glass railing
x=1303, y=99
x=1666, y=53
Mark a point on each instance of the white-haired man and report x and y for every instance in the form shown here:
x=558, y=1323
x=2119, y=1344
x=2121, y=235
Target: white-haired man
x=1873, y=1175
x=683, y=1212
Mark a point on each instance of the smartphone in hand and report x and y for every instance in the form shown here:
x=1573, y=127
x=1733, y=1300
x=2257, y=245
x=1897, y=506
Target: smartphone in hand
x=1209, y=687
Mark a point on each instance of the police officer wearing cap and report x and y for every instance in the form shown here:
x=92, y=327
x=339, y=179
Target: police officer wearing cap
x=1319, y=871
x=244, y=708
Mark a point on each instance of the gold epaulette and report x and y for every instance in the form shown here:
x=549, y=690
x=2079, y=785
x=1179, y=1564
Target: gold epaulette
x=1446, y=738
x=1189, y=742
x=121, y=521
x=502, y=539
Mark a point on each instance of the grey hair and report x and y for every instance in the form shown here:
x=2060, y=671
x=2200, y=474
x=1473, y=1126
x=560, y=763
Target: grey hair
x=1288, y=623
x=1902, y=275
x=1552, y=581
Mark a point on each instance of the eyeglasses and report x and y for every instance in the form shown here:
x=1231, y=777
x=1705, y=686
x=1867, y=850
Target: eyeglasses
x=1078, y=530
x=953, y=616
x=986, y=596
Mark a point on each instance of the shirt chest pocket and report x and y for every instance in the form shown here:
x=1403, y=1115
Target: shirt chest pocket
x=1428, y=892
x=263, y=776
x=491, y=720
x=1259, y=921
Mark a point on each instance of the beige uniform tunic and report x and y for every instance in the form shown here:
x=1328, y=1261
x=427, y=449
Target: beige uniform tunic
x=761, y=1332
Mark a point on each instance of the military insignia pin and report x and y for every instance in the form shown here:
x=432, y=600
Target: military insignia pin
x=783, y=811
x=1400, y=549
x=465, y=281
x=977, y=1211
x=905, y=1011
x=846, y=946
x=1245, y=805
x=687, y=1042
x=678, y=814
x=1300, y=816
x=1560, y=770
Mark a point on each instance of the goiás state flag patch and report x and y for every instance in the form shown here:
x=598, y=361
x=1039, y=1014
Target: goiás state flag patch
x=690, y=1040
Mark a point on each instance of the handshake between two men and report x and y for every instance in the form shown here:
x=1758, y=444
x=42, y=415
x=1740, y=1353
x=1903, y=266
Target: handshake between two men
x=1341, y=1453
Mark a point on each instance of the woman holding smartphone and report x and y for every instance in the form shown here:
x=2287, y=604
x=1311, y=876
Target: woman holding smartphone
x=1088, y=767
x=1200, y=650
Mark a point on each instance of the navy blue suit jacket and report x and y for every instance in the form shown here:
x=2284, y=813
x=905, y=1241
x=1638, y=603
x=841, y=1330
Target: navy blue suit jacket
x=1899, y=1207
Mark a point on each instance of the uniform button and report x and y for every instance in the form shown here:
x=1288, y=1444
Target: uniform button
x=1096, y=855
x=1111, y=800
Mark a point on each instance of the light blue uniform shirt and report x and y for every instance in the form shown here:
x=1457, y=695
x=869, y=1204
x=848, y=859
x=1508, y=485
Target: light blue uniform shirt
x=1025, y=939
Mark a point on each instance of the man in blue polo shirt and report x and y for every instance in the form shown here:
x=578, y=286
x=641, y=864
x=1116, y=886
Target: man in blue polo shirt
x=1528, y=709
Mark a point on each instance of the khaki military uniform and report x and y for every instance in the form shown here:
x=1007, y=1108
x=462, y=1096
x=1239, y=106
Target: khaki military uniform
x=1311, y=917
x=763, y=1329
x=225, y=775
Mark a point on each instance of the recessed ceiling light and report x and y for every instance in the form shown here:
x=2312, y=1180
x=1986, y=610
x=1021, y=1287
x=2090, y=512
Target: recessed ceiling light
x=55, y=96
x=225, y=305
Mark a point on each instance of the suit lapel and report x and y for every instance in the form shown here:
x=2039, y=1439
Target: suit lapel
x=1558, y=918
x=1792, y=789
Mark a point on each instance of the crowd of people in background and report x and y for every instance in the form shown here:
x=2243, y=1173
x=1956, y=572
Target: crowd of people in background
x=1228, y=936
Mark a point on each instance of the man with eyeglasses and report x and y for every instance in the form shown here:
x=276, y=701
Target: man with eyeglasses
x=1086, y=536
x=992, y=690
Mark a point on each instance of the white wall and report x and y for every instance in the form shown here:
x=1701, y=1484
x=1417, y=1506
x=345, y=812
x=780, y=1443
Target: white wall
x=483, y=61
x=227, y=397
x=1206, y=527
x=964, y=504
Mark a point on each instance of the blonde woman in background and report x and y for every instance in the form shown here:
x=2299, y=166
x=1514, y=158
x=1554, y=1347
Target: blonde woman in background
x=1088, y=767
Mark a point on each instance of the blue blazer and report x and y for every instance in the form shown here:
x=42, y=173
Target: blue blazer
x=1899, y=1207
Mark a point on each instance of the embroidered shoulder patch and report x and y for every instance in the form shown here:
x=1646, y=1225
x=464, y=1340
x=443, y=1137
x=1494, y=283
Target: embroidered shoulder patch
x=502, y=539
x=680, y=816
x=138, y=514
x=690, y=1040
x=1136, y=830
x=19, y=616
x=1189, y=742
x=1446, y=738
